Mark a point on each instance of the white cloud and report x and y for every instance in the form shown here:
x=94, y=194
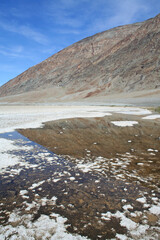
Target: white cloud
x=15, y=51
x=68, y=31
x=123, y=12
x=25, y=31
x=30, y=33
x=127, y=11
x=88, y=17
x=10, y=68
x=9, y=54
x=65, y=13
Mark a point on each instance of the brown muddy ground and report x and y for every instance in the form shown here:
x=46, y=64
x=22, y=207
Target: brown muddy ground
x=93, y=137
x=117, y=165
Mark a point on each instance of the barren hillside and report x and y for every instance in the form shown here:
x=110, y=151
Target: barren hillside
x=121, y=60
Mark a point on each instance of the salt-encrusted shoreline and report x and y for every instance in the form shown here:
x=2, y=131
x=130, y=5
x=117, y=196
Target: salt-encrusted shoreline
x=49, y=187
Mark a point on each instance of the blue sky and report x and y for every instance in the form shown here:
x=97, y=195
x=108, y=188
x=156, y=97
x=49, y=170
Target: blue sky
x=33, y=30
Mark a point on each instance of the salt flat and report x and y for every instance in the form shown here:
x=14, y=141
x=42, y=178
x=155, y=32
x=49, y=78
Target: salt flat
x=91, y=197
x=12, y=117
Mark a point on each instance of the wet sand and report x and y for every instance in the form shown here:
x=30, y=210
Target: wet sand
x=116, y=171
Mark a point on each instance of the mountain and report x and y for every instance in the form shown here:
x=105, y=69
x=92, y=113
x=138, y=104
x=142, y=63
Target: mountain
x=122, y=60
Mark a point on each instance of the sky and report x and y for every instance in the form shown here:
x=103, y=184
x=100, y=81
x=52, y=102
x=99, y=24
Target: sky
x=33, y=30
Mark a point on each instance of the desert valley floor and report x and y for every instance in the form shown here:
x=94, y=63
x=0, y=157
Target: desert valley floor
x=95, y=177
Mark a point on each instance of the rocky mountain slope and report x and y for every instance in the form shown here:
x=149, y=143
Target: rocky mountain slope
x=121, y=60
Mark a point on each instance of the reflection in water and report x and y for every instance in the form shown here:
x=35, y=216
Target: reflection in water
x=96, y=203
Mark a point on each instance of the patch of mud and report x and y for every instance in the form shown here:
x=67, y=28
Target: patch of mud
x=88, y=138
x=107, y=183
